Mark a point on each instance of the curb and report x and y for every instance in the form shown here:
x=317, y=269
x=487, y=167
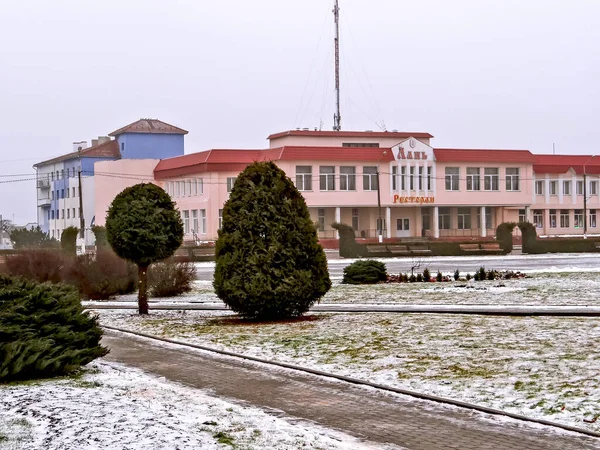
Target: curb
x=356, y=381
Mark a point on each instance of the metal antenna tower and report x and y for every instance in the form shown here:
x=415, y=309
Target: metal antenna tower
x=337, y=118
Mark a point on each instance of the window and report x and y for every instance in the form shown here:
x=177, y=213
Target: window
x=304, y=178
x=444, y=218
x=57, y=175
x=62, y=213
x=539, y=187
x=429, y=178
x=186, y=222
x=220, y=218
x=490, y=179
x=52, y=233
x=189, y=188
x=200, y=186
x=327, y=178
x=593, y=187
x=488, y=224
x=412, y=178
x=394, y=178
x=512, y=178
x=230, y=183
x=122, y=146
x=52, y=176
x=552, y=218
x=564, y=218
x=360, y=144
x=553, y=187
x=538, y=218
x=52, y=195
x=355, y=219
x=473, y=179
x=321, y=218
x=347, y=178
x=183, y=193
x=522, y=216
x=403, y=224
x=579, y=188
x=52, y=215
x=592, y=218
x=566, y=187
x=48, y=214
x=464, y=218
x=370, y=178
x=177, y=188
x=578, y=219
x=403, y=178
x=73, y=213
x=62, y=173
x=452, y=178
x=68, y=193
x=68, y=213
x=194, y=221
x=79, y=213
x=420, y=178
x=74, y=195
x=203, y=221
x=426, y=218
x=62, y=193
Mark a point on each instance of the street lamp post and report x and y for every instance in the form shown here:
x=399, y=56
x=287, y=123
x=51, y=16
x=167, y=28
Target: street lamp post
x=585, y=198
x=379, y=219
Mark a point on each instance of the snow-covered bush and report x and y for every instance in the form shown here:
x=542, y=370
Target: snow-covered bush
x=365, y=271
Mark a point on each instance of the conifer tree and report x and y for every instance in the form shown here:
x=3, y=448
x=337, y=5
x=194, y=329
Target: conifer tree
x=269, y=264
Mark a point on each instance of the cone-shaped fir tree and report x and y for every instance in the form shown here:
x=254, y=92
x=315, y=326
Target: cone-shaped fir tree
x=269, y=264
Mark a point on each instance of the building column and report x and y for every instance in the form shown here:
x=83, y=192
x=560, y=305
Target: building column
x=482, y=224
x=338, y=219
x=436, y=222
x=528, y=217
x=388, y=220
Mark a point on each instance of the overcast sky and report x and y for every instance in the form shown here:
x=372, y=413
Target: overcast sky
x=476, y=74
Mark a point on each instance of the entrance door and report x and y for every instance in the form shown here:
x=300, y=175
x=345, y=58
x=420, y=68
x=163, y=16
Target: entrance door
x=402, y=227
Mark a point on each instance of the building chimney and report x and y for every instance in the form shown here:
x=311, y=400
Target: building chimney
x=103, y=139
x=94, y=142
x=78, y=146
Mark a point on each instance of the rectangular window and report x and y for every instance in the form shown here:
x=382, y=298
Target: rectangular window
x=578, y=219
x=62, y=173
x=512, y=178
x=68, y=213
x=444, y=218
x=347, y=178
x=230, y=183
x=52, y=176
x=194, y=188
x=403, y=178
x=182, y=185
x=79, y=213
x=464, y=218
x=304, y=178
x=370, y=178
x=68, y=193
x=327, y=178
x=189, y=188
x=522, y=216
x=579, y=188
x=321, y=218
x=564, y=218
x=52, y=195
x=355, y=219
x=412, y=178
x=360, y=144
x=429, y=178
x=220, y=218
x=73, y=213
x=194, y=221
x=52, y=215
x=593, y=187
x=425, y=219
x=62, y=193
x=539, y=187
x=200, y=185
x=177, y=189
x=203, y=221
x=186, y=222
x=48, y=214
x=566, y=188
x=552, y=217
x=394, y=178
x=490, y=179
x=473, y=179
x=62, y=213
x=553, y=187
x=74, y=194
x=452, y=174
x=420, y=178
x=592, y=218
x=538, y=218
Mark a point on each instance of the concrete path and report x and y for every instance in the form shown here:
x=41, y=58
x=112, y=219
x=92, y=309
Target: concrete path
x=508, y=310
x=366, y=413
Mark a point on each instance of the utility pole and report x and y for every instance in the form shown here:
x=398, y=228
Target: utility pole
x=81, y=219
x=585, y=198
x=337, y=118
x=379, y=218
x=1, y=233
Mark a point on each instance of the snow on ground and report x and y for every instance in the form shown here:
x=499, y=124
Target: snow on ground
x=543, y=367
x=115, y=407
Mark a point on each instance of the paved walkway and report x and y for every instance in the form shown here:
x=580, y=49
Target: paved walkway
x=508, y=310
x=366, y=413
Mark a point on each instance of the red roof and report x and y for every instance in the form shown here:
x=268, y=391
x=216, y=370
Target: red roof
x=352, y=134
x=153, y=126
x=482, y=155
x=237, y=160
x=562, y=164
x=109, y=149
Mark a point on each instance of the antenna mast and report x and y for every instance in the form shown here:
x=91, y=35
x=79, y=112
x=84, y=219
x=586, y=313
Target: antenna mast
x=337, y=118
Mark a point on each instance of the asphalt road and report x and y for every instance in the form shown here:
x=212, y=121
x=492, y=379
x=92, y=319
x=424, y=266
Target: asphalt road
x=447, y=264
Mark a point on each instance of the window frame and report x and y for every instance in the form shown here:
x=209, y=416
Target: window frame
x=304, y=178
x=327, y=178
x=513, y=179
x=473, y=179
x=451, y=179
x=348, y=179
x=491, y=180
x=370, y=178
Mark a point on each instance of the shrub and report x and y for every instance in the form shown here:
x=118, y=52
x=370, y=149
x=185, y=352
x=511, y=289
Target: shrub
x=529, y=236
x=504, y=235
x=39, y=265
x=419, y=277
x=456, y=275
x=349, y=248
x=44, y=331
x=481, y=274
x=100, y=235
x=269, y=264
x=426, y=274
x=170, y=278
x=439, y=276
x=365, y=271
x=491, y=275
x=468, y=277
x=68, y=241
x=33, y=238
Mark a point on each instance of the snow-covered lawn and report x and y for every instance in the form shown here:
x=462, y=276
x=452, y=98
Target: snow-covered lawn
x=116, y=407
x=541, y=367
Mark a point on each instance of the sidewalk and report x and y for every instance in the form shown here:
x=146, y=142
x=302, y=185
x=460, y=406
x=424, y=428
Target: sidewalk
x=366, y=413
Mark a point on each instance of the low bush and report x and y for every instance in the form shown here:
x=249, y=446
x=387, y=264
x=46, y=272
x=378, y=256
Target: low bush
x=170, y=278
x=44, y=331
x=481, y=274
x=456, y=275
x=426, y=275
x=439, y=276
x=366, y=271
x=38, y=265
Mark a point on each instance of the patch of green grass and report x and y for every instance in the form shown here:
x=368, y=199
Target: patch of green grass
x=87, y=384
x=224, y=438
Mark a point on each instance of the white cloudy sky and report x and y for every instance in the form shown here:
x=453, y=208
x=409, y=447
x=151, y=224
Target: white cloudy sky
x=492, y=74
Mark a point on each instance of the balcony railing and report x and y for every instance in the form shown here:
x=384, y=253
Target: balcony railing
x=43, y=183
x=44, y=202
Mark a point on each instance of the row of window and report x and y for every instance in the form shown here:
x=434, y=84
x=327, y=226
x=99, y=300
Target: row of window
x=194, y=221
x=553, y=186
x=565, y=218
x=60, y=213
x=464, y=218
x=491, y=178
x=61, y=174
x=185, y=188
x=60, y=193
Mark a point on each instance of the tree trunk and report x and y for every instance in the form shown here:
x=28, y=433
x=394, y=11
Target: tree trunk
x=143, y=290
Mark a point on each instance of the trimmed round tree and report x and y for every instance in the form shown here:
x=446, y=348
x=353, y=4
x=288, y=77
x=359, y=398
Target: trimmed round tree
x=269, y=263
x=143, y=226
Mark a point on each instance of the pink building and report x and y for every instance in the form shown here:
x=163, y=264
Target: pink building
x=422, y=191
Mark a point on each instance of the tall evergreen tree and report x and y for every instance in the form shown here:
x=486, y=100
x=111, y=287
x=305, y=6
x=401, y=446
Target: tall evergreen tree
x=143, y=226
x=269, y=264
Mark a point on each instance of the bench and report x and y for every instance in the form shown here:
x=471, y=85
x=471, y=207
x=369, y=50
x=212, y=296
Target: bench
x=495, y=247
x=377, y=248
x=398, y=249
x=470, y=247
x=419, y=249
